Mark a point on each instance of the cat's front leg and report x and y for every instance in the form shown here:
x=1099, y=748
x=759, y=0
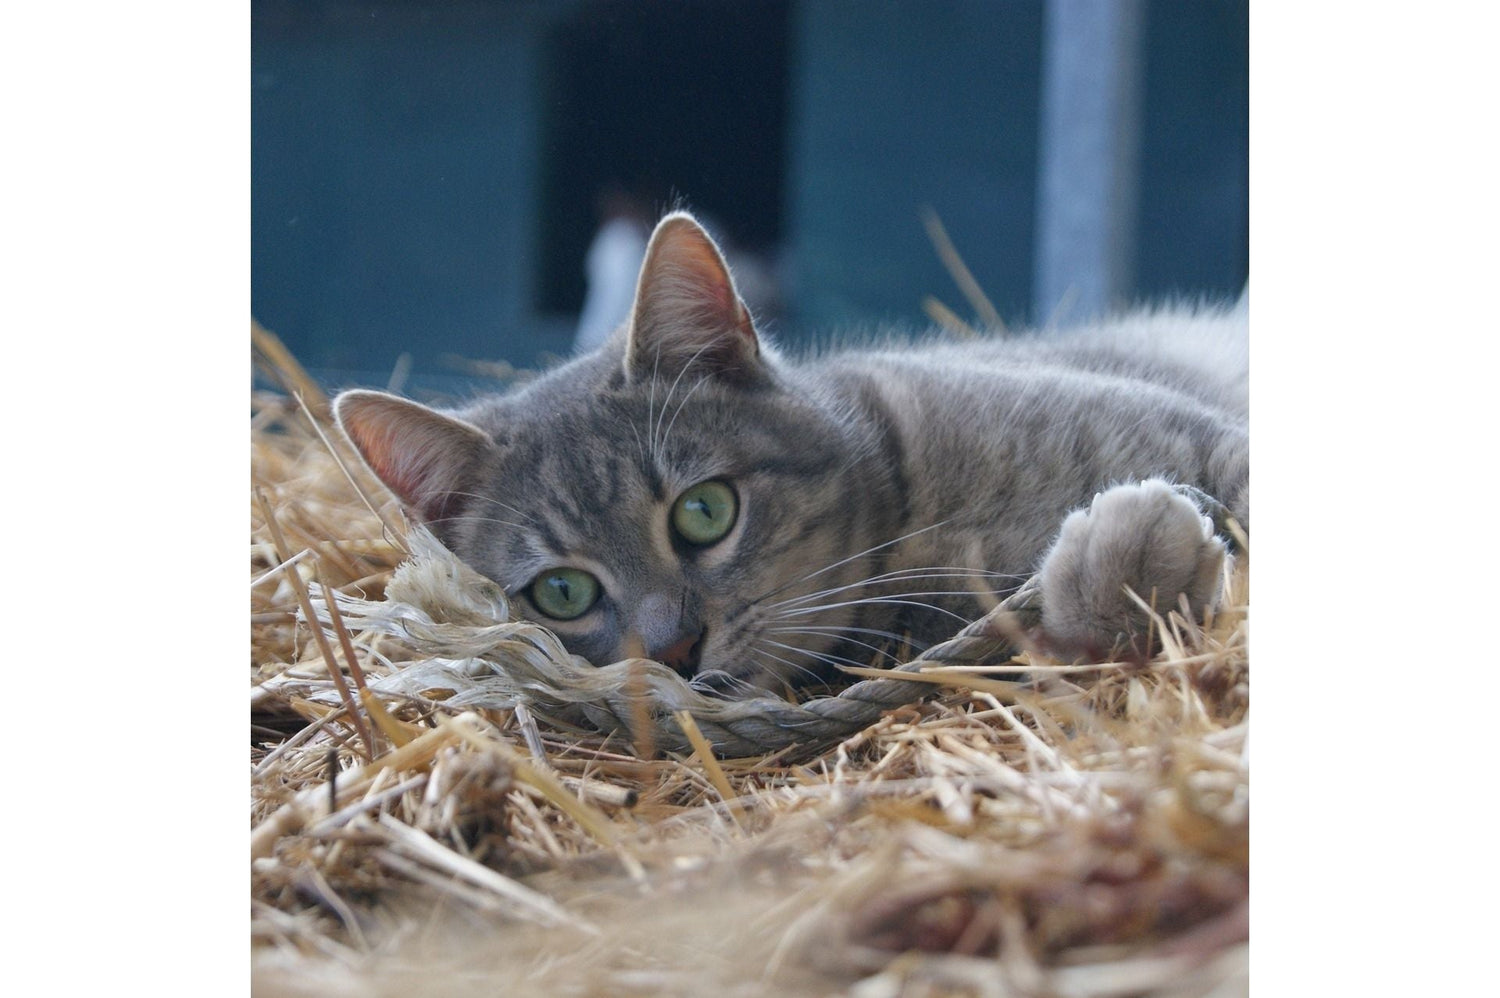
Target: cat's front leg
x=1147, y=537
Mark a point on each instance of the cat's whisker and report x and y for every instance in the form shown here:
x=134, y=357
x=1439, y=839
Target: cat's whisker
x=903, y=575
x=470, y=518
x=867, y=551
x=667, y=435
x=827, y=658
x=885, y=600
x=824, y=632
x=640, y=445
x=491, y=499
x=722, y=684
x=659, y=447
x=802, y=669
x=814, y=629
x=651, y=404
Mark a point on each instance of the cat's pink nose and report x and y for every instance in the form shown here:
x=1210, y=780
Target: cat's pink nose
x=682, y=656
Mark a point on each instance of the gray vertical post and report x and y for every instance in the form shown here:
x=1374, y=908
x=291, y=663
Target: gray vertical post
x=1090, y=122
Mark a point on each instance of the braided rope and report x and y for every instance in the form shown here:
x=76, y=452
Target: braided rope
x=460, y=626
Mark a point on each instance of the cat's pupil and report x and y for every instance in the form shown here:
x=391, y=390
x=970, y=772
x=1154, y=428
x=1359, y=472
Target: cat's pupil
x=704, y=513
x=565, y=593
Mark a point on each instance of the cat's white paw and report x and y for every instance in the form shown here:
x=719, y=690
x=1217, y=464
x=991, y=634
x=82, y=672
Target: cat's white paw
x=1147, y=537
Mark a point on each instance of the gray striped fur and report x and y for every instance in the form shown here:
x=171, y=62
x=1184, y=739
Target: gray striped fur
x=875, y=484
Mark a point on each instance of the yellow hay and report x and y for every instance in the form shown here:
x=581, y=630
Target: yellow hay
x=1083, y=833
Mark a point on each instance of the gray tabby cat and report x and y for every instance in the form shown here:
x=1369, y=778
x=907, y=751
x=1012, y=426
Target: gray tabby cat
x=688, y=492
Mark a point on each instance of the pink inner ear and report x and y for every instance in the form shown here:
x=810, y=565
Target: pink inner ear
x=697, y=256
x=421, y=455
x=718, y=288
x=687, y=305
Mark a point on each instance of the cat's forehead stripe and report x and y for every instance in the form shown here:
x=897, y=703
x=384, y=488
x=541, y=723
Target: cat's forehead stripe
x=552, y=541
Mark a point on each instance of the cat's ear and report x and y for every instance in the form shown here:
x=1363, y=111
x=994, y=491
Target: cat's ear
x=687, y=311
x=425, y=457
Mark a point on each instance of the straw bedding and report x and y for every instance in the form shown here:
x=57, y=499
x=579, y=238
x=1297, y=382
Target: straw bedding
x=1084, y=832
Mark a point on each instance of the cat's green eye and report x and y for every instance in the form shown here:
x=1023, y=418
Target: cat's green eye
x=565, y=593
x=705, y=513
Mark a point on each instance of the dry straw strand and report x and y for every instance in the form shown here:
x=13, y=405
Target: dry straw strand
x=944, y=829
x=959, y=271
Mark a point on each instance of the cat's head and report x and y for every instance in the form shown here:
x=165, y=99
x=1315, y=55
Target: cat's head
x=679, y=493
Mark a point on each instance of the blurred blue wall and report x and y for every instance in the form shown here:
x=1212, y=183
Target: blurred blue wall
x=394, y=175
x=898, y=106
x=423, y=172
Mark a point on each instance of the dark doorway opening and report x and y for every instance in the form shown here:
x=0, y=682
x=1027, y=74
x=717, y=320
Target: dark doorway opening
x=683, y=104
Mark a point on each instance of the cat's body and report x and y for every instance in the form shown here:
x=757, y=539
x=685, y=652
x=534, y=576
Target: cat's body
x=687, y=493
